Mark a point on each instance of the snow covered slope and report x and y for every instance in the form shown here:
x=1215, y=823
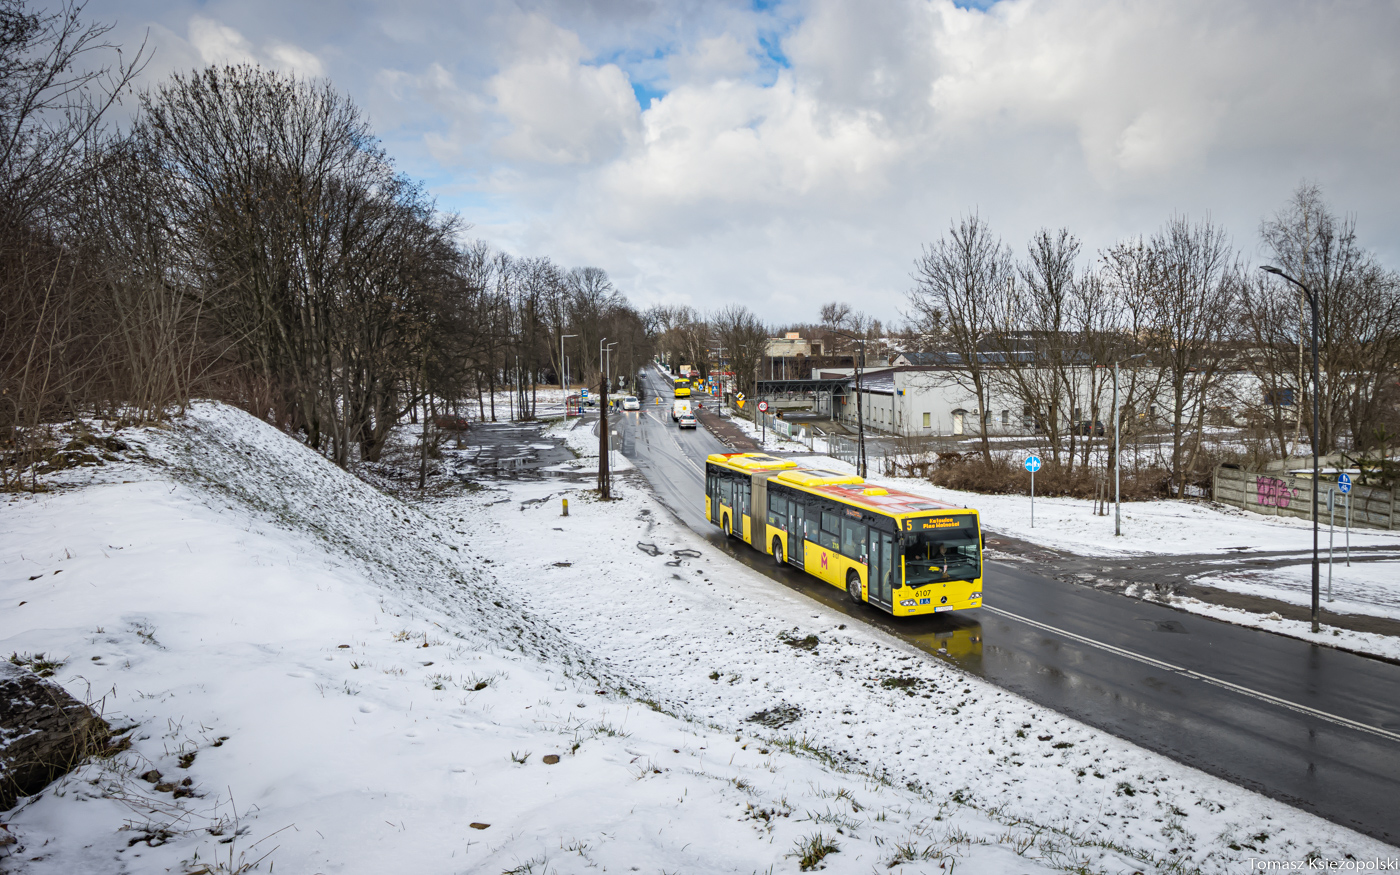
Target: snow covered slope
x=330, y=680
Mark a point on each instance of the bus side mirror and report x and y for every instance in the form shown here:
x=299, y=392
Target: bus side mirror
x=984, y=540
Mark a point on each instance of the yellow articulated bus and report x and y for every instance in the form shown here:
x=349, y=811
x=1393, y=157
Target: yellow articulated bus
x=682, y=387
x=901, y=552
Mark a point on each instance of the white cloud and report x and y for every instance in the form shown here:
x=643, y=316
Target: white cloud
x=295, y=60
x=561, y=109
x=218, y=43
x=781, y=181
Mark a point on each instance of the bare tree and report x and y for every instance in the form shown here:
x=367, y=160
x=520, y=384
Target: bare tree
x=1037, y=349
x=54, y=95
x=1358, y=323
x=55, y=91
x=1190, y=318
x=958, y=282
x=745, y=340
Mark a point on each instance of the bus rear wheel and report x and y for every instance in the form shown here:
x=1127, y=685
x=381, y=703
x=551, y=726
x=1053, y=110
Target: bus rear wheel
x=853, y=586
x=728, y=529
x=777, y=551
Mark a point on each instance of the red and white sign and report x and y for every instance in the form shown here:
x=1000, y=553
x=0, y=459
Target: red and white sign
x=763, y=407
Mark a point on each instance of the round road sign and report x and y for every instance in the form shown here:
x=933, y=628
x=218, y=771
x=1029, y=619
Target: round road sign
x=763, y=407
x=1032, y=464
x=1343, y=483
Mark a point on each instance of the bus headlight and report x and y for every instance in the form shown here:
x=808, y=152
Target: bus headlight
x=975, y=595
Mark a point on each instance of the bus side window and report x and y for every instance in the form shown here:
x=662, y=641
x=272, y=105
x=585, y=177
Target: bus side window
x=831, y=531
x=777, y=511
x=811, y=528
x=853, y=540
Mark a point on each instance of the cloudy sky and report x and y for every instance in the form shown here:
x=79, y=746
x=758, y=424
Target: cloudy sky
x=783, y=154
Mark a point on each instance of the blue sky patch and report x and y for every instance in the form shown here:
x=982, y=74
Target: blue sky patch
x=646, y=94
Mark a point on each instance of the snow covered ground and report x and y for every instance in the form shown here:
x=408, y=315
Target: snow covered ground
x=331, y=680
x=1370, y=588
x=581, y=436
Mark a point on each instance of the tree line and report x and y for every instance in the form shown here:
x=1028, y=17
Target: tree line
x=245, y=236
x=1201, y=333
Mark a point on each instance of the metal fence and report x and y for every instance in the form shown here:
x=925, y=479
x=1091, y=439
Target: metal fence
x=844, y=449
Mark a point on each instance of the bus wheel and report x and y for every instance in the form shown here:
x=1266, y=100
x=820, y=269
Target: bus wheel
x=728, y=529
x=777, y=551
x=853, y=586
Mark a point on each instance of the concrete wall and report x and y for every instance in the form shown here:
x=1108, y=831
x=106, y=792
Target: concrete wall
x=1281, y=494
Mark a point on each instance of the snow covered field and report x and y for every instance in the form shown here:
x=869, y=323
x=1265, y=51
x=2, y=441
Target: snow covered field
x=330, y=680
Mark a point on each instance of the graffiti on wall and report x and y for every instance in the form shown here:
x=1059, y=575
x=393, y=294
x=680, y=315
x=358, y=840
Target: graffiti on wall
x=1273, y=492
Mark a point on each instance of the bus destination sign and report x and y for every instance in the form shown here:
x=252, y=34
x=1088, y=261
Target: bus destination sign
x=937, y=522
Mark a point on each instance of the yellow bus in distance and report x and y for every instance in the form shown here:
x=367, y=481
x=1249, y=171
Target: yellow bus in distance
x=682, y=387
x=904, y=553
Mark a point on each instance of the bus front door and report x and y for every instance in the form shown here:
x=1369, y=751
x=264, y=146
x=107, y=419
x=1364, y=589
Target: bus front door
x=881, y=570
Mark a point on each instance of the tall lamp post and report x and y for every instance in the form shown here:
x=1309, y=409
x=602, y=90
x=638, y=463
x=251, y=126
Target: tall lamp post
x=563, y=368
x=1117, y=457
x=1316, y=485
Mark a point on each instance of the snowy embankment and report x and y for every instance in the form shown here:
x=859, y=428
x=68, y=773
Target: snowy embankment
x=327, y=679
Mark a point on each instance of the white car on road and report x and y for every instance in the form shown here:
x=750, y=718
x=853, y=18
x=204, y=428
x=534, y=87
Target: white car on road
x=631, y=403
x=686, y=420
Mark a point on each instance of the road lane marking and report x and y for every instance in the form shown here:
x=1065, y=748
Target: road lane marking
x=1214, y=681
x=675, y=443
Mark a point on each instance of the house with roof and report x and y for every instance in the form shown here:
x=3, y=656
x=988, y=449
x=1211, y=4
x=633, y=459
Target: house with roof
x=930, y=394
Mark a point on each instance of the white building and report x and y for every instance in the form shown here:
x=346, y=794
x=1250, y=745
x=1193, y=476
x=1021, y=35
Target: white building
x=938, y=401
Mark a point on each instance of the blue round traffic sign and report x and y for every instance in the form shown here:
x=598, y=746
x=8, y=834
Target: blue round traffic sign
x=1343, y=483
x=1032, y=464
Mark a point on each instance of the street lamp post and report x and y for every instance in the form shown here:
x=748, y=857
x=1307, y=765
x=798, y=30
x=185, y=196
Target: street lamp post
x=563, y=368
x=1316, y=485
x=1117, y=456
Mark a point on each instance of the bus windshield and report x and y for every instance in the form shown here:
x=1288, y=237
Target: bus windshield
x=945, y=552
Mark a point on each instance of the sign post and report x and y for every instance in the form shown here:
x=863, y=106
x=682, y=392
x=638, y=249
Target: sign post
x=1032, y=465
x=1331, y=530
x=762, y=423
x=1344, y=484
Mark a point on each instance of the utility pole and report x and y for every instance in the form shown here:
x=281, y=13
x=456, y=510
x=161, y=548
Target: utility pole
x=860, y=409
x=860, y=412
x=604, y=490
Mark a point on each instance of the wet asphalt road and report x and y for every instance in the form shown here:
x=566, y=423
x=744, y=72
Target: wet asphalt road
x=1314, y=727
